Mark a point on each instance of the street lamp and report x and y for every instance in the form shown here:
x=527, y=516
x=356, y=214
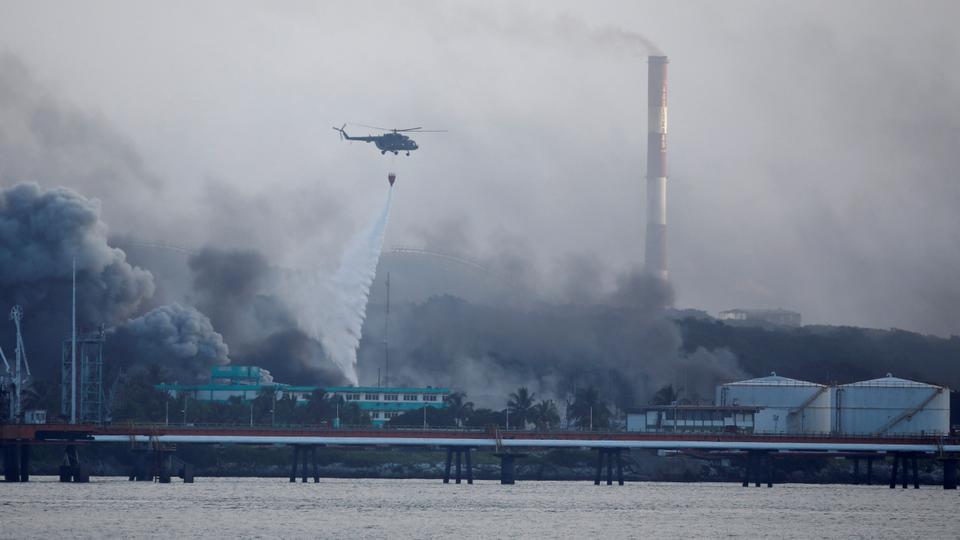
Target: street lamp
x=273, y=410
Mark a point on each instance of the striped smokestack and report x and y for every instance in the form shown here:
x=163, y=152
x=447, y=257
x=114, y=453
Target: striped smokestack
x=655, y=254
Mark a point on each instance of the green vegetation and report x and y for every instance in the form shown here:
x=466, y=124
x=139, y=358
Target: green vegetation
x=828, y=354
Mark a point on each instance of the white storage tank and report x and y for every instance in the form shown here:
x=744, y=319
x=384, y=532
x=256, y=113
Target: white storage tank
x=891, y=406
x=787, y=405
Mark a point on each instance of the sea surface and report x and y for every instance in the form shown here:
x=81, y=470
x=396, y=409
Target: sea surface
x=400, y=509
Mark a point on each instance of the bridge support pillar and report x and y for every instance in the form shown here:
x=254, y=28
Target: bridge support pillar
x=71, y=469
x=446, y=469
x=11, y=462
x=904, y=472
x=186, y=473
x=757, y=463
x=856, y=471
x=608, y=455
x=469, y=467
x=162, y=460
x=459, y=468
x=747, y=469
x=870, y=470
x=462, y=455
x=296, y=457
x=507, y=467
x=770, y=470
x=950, y=473
x=893, y=470
x=23, y=468
x=304, y=460
x=916, y=472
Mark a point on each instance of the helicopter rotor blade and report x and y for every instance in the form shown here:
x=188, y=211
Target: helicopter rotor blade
x=374, y=127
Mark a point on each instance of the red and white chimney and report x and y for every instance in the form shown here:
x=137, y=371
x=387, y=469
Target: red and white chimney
x=655, y=249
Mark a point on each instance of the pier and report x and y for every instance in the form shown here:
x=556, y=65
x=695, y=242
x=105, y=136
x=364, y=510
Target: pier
x=155, y=449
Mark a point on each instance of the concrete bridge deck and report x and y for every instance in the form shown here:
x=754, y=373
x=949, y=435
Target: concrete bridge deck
x=61, y=433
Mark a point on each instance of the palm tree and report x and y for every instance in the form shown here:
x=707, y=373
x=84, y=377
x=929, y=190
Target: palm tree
x=520, y=405
x=545, y=414
x=459, y=408
x=588, y=410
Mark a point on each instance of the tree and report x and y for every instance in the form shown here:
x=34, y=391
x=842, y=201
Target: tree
x=319, y=408
x=664, y=396
x=459, y=407
x=588, y=410
x=482, y=418
x=519, y=406
x=545, y=415
x=263, y=404
x=352, y=415
x=140, y=401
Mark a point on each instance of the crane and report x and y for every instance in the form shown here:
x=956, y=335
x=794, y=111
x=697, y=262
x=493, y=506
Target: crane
x=4, y=377
x=16, y=315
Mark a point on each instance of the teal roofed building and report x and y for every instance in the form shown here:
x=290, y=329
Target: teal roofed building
x=246, y=382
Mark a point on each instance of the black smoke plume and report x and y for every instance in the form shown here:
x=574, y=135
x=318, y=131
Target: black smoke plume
x=179, y=339
x=624, y=344
x=237, y=288
x=42, y=233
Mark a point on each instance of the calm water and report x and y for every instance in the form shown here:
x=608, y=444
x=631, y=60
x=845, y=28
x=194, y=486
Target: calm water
x=114, y=507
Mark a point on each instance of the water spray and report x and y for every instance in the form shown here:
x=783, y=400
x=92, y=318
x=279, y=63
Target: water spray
x=339, y=329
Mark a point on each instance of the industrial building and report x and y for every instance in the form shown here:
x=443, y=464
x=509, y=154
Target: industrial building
x=246, y=382
x=776, y=317
x=891, y=406
x=786, y=405
x=691, y=418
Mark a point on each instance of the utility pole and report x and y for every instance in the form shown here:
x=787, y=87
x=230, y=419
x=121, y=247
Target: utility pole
x=273, y=410
x=251, y=413
x=73, y=351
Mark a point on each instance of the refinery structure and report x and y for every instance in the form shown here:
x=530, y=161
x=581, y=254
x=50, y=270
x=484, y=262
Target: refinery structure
x=246, y=383
x=888, y=406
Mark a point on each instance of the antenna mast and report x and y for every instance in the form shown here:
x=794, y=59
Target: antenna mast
x=386, y=339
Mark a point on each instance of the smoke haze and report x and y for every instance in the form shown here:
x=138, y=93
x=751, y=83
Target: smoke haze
x=813, y=168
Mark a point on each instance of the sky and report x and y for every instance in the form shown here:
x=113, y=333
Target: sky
x=812, y=145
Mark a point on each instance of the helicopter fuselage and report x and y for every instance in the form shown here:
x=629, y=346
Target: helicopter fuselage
x=394, y=142
x=388, y=142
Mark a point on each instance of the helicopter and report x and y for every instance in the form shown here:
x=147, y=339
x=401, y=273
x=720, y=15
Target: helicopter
x=393, y=140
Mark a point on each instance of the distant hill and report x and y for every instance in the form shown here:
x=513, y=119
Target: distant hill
x=828, y=354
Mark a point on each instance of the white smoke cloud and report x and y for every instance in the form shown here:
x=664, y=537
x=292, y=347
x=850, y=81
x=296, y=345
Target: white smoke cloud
x=332, y=308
